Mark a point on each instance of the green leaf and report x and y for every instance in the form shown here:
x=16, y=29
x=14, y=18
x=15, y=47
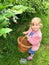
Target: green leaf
x=3, y=31
x=4, y=24
x=4, y=6
x=2, y=17
x=19, y=9
x=9, y=13
x=4, y=35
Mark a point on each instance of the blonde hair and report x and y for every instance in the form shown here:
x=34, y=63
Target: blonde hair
x=39, y=20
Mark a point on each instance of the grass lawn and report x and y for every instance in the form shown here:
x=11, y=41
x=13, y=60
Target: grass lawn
x=9, y=53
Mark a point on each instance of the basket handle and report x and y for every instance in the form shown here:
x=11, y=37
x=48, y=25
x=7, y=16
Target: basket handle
x=24, y=38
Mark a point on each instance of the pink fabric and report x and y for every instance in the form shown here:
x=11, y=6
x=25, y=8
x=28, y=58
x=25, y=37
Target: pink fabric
x=35, y=39
x=29, y=57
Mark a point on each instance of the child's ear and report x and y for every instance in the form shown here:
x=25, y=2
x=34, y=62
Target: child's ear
x=41, y=25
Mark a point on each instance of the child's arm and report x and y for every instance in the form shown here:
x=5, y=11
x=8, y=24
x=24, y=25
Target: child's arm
x=25, y=32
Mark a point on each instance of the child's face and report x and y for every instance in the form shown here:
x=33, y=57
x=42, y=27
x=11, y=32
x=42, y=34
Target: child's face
x=35, y=25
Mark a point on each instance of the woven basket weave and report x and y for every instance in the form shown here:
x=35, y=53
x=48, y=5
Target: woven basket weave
x=23, y=44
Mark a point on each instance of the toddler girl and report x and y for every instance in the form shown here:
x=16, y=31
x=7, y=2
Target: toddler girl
x=34, y=36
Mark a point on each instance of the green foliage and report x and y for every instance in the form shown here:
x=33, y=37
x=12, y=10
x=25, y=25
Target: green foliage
x=19, y=9
x=3, y=31
x=9, y=46
x=15, y=7
x=41, y=6
x=11, y=12
x=7, y=1
x=9, y=53
x=4, y=22
x=3, y=6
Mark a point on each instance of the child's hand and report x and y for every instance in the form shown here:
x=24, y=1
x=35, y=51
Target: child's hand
x=24, y=32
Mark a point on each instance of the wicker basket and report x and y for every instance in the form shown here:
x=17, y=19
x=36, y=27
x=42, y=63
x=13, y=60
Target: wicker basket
x=23, y=44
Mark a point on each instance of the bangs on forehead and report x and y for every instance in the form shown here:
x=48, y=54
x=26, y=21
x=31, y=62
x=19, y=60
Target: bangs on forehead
x=36, y=19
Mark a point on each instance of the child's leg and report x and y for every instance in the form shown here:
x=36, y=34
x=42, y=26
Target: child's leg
x=31, y=52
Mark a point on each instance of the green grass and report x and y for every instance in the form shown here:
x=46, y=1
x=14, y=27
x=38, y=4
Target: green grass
x=9, y=53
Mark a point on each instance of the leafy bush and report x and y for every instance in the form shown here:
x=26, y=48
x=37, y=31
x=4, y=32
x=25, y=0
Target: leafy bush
x=3, y=31
x=11, y=8
x=6, y=14
x=41, y=6
x=4, y=22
